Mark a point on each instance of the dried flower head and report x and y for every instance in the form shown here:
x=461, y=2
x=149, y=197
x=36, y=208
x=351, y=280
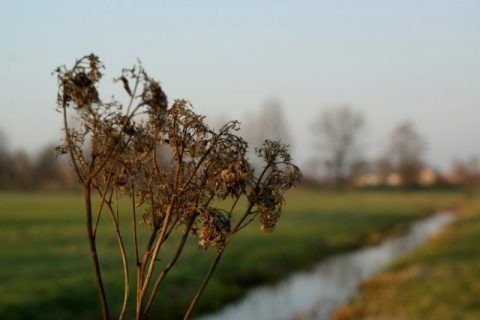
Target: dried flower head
x=279, y=175
x=214, y=227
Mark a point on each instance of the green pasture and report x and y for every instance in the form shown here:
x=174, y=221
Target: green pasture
x=45, y=268
x=439, y=281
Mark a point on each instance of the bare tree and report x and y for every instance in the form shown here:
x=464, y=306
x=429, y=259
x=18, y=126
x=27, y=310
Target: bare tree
x=467, y=173
x=406, y=151
x=6, y=165
x=19, y=172
x=383, y=167
x=46, y=170
x=24, y=174
x=269, y=123
x=338, y=133
x=180, y=193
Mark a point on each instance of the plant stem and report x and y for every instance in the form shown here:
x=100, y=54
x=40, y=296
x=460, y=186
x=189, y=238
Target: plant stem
x=168, y=267
x=214, y=264
x=93, y=250
x=204, y=283
x=123, y=253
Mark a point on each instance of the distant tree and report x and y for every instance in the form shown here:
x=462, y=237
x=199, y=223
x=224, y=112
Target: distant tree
x=338, y=132
x=406, y=151
x=359, y=168
x=269, y=123
x=180, y=192
x=24, y=176
x=46, y=170
x=19, y=172
x=6, y=165
x=383, y=167
x=467, y=173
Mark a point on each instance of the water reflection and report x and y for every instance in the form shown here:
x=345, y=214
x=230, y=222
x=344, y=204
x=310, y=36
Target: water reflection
x=314, y=294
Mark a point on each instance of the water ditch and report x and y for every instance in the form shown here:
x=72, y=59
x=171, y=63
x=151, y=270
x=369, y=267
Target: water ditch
x=334, y=281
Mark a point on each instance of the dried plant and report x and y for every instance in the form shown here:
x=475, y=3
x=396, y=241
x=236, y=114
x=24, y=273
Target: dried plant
x=118, y=151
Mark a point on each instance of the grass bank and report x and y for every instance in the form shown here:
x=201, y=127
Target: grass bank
x=46, y=271
x=439, y=281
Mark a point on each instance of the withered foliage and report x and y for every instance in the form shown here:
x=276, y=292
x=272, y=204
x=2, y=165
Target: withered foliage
x=175, y=169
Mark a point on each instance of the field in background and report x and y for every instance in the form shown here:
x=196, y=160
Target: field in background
x=439, y=281
x=46, y=270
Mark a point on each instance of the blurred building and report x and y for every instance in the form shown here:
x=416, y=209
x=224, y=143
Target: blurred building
x=426, y=178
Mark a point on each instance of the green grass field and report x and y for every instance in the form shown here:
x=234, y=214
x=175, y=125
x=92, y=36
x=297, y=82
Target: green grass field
x=439, y=281
x=46, y=271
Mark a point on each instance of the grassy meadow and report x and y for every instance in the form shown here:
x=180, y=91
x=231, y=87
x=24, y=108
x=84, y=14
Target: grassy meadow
x=438, y=281
x=45, y=268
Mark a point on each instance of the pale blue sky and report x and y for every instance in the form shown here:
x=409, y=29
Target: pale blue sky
x=391, y=60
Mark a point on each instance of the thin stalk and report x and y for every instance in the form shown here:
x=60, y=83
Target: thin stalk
x=204, y=283
x=141, y=266
x=93, y=251
x=123, y=253
x=152, y=256
x=69, y=145
x=156, y=249
x=134, y=226
x=168, y=267
x=214, y=264
x=134, y=90
x=103, y=200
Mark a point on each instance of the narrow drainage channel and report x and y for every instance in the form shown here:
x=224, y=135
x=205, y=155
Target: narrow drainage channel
x=315, y=294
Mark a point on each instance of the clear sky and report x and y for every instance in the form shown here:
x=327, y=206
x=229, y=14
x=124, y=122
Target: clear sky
x=391, y=60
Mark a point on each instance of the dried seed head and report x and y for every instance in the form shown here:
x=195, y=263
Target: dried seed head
x=214, y=229
x=61, y=150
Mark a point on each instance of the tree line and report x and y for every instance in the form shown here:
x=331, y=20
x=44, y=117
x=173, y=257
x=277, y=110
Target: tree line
x=337, y=134
x=41, y=172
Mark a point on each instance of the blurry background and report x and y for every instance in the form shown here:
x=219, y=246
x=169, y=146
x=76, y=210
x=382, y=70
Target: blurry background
x=367, y=93
x=392, y=62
